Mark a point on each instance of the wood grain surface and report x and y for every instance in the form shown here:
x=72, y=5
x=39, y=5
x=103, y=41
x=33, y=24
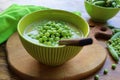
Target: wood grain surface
x=70, y=5
x=87, y=62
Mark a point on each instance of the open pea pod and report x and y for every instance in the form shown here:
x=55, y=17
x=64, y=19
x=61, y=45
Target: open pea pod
x=115, y=54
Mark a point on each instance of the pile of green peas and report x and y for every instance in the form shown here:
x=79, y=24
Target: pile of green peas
x=106, y=3
x=51, y=32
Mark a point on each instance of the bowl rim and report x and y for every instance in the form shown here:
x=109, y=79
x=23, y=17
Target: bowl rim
x=21, y=35
x=108, y=8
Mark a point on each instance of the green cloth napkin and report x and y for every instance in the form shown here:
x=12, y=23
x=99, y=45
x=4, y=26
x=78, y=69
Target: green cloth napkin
x=10, y=17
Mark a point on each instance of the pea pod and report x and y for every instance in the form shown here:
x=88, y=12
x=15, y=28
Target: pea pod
x=99, y=3
x=115, y=35
x=115, y=30
x=113, y=53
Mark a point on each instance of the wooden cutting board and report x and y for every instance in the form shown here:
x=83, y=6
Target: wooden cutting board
x=86, y=63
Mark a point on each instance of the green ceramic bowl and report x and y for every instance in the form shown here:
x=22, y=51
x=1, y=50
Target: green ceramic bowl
x=52, y=55
x=100, y=14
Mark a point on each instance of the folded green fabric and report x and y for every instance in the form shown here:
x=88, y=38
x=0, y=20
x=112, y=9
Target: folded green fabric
x=10, y=17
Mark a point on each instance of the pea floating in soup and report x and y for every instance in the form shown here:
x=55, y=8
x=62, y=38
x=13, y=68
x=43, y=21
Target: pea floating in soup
x=48, y=33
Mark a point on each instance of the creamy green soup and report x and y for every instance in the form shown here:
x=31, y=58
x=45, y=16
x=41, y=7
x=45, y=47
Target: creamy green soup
x=49, y=32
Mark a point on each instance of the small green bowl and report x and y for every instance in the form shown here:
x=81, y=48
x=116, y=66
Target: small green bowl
x=100, y=14
x=52, y=56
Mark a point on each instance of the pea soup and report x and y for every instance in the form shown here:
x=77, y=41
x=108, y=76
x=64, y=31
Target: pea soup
x=49, y=32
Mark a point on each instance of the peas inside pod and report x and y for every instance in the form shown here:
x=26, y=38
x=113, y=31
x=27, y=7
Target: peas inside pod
x=106, y=3
x=50, y=32
x=115, y=43
x=114, y=46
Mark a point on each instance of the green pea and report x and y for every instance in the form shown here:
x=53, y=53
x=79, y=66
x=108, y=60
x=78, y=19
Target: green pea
x=114, y=66
x=45, y=42
x=46, y=27
x=44, y=31
x=59, y=30
x=48, y=43
x=57, y=26
x=57, y=35
x=53, y=24
x=40, y=40
x=47, y=34
x=41, y=34
x=51, y=39
x=96, y=77
x=118, y=6
x=64, y=33
x=105, y=71
x=67, y=28
x=52, y=36
x=54, y=31
x=57, y=38
x=44, y=38
x=49, y=31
